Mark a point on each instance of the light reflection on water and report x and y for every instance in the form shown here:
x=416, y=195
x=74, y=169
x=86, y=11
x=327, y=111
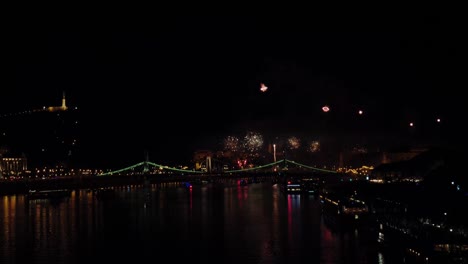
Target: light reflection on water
x=210, y=222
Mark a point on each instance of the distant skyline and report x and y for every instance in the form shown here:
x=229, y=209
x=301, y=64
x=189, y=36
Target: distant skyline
x=185, y=83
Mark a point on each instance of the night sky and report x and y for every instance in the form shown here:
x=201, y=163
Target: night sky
x=173, y=86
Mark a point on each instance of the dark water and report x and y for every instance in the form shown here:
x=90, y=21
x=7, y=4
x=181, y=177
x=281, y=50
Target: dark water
x=219, y=223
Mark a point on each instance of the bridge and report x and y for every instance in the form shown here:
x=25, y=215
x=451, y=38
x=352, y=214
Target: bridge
x=150, y=172
x=281, y=166
x=147, y=172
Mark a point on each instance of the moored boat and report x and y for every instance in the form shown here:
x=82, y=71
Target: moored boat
x=344, y=211
x=48, y=194
x=300, y=186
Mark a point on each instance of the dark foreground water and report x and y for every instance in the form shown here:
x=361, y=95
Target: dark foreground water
x=167, y=223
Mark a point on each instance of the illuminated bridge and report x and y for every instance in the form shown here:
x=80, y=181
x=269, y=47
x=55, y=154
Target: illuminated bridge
x=282, y=166
x=150, y=172
x=147, y=172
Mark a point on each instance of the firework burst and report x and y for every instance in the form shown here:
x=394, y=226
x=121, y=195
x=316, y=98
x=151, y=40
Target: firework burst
x=232, y=143
x=294, y=143
x=314, y=146
x=253, y=141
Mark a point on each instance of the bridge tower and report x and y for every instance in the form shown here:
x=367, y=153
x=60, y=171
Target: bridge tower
x=145, y=171
x=208, y=164
x=145, y=165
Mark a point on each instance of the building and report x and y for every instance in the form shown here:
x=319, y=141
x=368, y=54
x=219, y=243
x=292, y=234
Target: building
x=13, y=166
x=202, y=159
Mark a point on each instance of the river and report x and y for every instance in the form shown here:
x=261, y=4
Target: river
x=168, y=222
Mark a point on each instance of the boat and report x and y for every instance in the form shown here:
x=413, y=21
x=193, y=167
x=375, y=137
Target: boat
x=48, y=194
x=310, y=185
x=344, y=211
x=300, y=186
x=292, y=187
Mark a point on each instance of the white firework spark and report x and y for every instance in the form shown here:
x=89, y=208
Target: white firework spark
x=232, y=143
x=314, y=146
x=294, y=143
x=253, y=141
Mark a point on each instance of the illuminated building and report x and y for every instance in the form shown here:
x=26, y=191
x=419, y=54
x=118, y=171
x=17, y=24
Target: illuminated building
x=202, y=159
x=63, y=107
x=13, y=166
